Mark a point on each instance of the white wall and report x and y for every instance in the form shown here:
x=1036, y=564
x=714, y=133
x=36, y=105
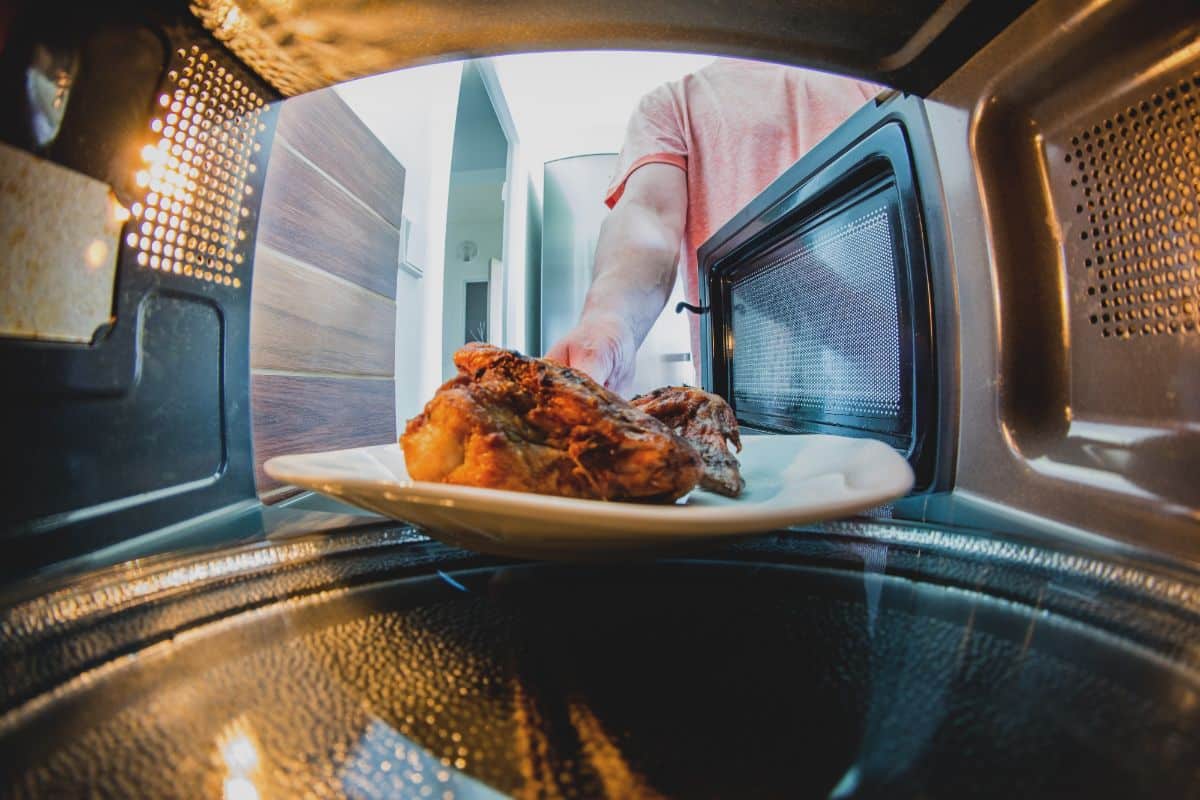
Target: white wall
x=569, y=104
x=473, y=215
x=516, y=231
x=516, y=277
x=412, y=113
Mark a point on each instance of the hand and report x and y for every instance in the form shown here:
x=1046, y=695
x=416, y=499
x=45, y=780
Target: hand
x=604, y=348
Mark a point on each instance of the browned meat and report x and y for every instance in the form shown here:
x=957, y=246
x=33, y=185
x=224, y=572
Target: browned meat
x=530, y=425
x=707, y=422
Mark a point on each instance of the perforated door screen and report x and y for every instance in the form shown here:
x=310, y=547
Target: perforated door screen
x=815, y=325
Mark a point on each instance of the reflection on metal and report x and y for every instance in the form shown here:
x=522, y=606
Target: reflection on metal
x=92, y=599
x=386, y=763
x=1073, y=180
x=241, y=762
x=60, y=231
x=301, y=45
x=377, y=678
x=573, y=211
x=943, y=14
x=48, y=81
x=1183, y=594
x=603, y=747
x=253, y=38
x=134, y=583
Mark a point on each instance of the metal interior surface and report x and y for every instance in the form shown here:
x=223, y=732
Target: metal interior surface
x=859, y=659
x=1038, y=141
x=147, y=425
x=856, y=660
x=62, y=219
x=1135, y=174
x=308, y=44
x=193, y=217
x=1125, y=182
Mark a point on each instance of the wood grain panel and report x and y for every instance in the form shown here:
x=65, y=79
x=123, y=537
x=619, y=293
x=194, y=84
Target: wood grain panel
x=301, y=414
x=302, y=320
x=312, y=220
x=329, y=134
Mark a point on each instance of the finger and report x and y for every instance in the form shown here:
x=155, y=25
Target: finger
x=597, y=367
x=597, y=364
x=559, y=352
x=620, y=382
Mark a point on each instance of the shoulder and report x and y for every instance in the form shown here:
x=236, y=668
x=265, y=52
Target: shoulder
x=662, y=101
x=832, y=84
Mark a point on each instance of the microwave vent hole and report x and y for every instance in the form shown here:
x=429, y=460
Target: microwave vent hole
x=1136, y=183
x=193, y=218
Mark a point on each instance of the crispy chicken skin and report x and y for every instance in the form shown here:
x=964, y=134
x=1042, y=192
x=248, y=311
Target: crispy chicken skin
x=706, y=421
x=507, y=421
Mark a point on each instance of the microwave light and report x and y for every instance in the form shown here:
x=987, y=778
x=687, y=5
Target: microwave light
x=195, y=173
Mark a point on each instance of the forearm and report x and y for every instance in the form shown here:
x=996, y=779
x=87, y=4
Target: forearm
x=636, y=260
x=635, y=268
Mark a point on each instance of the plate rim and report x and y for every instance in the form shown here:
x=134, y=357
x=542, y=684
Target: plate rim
x=526, y=505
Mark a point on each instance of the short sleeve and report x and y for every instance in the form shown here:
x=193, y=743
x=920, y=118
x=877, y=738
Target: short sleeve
x=655, y=135
x=870, y=90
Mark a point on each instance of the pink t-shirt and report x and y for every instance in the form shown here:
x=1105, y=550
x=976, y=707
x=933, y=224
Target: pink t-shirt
x=733, y=127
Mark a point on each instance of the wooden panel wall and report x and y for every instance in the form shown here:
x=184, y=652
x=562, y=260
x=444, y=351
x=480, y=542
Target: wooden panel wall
x=323, y=302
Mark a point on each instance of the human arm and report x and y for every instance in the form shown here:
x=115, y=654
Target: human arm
x=635, y=267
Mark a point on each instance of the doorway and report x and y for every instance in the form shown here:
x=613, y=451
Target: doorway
x=475, y=272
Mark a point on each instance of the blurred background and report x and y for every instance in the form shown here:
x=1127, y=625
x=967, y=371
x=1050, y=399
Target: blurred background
x=506, y=164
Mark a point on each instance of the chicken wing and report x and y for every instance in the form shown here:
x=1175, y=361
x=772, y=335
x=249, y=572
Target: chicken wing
x=507, y=421
x=707, y=422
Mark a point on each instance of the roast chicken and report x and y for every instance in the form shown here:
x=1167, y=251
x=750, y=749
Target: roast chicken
x=508, y=421
x=707, y=423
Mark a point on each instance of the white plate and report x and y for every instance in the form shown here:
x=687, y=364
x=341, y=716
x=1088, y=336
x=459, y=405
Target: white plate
x=790, y=480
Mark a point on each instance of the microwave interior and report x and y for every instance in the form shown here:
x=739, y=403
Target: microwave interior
x=240, y=231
